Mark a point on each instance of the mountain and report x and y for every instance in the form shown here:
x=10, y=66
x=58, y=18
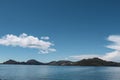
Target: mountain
x=61, y=63
x=84, y=62
x=29, y=62
x=95, y=62
x=11, y=62
x=34, y=62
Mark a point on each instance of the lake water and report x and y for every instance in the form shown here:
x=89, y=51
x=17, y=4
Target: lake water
x=38, y=72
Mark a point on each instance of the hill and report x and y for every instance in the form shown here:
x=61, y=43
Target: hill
x=84, y=62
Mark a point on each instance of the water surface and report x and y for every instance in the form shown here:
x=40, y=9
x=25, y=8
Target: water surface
x=39, y=72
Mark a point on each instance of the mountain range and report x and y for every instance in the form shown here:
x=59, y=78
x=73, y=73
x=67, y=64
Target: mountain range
x=84, y=62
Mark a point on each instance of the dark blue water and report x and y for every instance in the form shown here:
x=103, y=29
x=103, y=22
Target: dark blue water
x=35, y=72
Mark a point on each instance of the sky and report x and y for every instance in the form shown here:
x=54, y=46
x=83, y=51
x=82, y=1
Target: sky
x=48, y=30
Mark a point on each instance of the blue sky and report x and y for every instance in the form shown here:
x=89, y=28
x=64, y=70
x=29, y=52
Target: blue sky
x=75, y=27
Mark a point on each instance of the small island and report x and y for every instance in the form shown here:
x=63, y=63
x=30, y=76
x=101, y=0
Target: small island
x=84, y=62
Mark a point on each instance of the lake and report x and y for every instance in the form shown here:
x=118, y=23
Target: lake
x=42, y=72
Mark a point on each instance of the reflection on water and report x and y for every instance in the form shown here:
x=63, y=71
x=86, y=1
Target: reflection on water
x=37, y=72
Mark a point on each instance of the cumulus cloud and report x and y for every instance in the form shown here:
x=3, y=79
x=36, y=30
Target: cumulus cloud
x=114, y=55
x=27, y=41
x=116, y=42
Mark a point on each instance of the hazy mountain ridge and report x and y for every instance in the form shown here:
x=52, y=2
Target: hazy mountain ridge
x=84, y=62
x=29, y=62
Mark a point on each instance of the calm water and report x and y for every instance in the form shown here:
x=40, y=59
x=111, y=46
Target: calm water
x=33, y=72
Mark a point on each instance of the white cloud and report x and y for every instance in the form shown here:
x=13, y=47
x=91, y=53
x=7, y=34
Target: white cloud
x=114, y=55
x=116, y=42
x=27, y=41
x=45, y=38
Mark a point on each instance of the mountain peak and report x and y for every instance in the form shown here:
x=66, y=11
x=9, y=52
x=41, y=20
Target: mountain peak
x=11, y=62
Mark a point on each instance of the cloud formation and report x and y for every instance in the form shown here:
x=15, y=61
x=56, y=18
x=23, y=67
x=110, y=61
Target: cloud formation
x=27, y=41
x=114, y=55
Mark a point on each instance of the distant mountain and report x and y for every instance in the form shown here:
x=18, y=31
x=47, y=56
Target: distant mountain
x=84, y=62
x=11, y=62
x=29, y=62
x=61, y=63
x=96, y=62
x=35, y=62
